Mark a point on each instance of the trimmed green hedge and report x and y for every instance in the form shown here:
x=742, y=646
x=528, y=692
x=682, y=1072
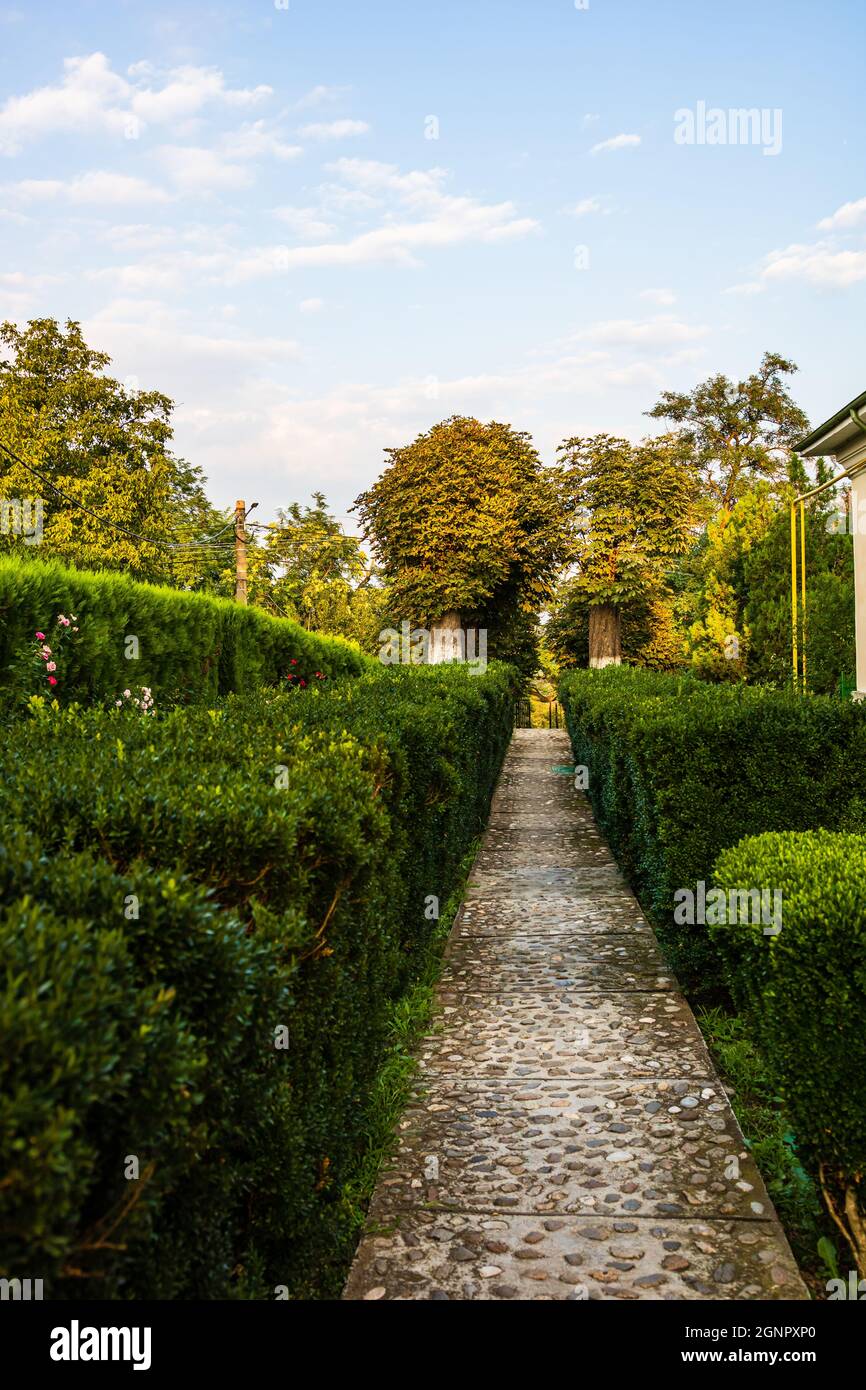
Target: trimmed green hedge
x=191, y=648
x=283, y=850
x=803, y=993
x=680, y=770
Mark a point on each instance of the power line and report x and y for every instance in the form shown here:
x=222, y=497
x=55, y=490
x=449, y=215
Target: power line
x=177, y=546
x=277, y=526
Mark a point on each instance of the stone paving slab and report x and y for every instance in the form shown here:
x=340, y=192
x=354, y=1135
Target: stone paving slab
x=520, y=961
x=643, y=1148
x=530, y=816
x=625, y=1036
x=561, y=803
x=550, y=915
x=427, y=1255
x=568, y=1137
x=577, y=849
x=534, y=881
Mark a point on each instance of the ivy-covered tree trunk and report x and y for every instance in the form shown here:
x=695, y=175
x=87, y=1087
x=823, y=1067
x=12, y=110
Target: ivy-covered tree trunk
x=446, y=639
x=605, y=643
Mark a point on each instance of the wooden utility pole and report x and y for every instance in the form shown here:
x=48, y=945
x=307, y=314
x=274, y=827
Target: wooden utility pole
x=240, y=553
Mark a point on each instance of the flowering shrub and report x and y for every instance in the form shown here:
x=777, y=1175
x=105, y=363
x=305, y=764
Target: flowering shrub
x=298, y=682
x=194, y=649
x=142, y=701
x=48, y=655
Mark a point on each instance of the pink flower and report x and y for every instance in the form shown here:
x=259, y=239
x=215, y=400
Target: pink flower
x=64, y=622
x=40, y=636
x=52, y=666
x=52, y=680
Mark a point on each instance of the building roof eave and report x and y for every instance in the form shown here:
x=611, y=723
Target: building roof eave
x=835, y=433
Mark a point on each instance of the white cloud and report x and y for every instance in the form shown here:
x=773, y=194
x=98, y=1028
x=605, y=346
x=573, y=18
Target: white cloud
x=253, y=140
x=320, y=96
x=585, y=207
x=305, y=223
x=333, y=130
x=662, y=297
x=460, y=221
x=91, y=98
x=18, y=280
x=311, y=306
x=661, y=331
x=441, y=220
x=194, y=169
x=151, y=332
x=337, y=198
x=186, y=92
x=818, y=264
x=372, y=175
x=97, y=186
x=748, y=287
x=848, y=215
x=139, y=277
x=616, y=142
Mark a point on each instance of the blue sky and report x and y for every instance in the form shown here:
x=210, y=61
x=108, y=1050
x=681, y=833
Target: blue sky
x=242, y=204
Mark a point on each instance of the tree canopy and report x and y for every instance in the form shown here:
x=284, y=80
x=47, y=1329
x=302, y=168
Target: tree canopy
x=633, y=508
x=466, y=519
x=309, y=569
x=114, y=495
x=738, y=433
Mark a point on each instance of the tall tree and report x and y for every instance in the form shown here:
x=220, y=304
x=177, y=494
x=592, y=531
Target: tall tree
x=470, y=530
x=309, y=569
x=633, y=509
x=103, y=451
x=738, y=433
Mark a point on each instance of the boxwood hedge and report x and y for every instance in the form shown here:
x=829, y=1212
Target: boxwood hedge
x=188, y=648
x=680, y=770
x=181, y=896
x=803, y=992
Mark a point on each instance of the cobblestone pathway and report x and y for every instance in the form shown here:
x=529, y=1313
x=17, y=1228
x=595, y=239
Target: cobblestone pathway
x=568, y=1137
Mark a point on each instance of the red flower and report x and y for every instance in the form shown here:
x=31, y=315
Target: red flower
x=303, y=682
x=294, y=661
x=52, y=680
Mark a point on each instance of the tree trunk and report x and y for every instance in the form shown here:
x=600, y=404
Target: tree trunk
x=605, y=648
x=446, y=639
